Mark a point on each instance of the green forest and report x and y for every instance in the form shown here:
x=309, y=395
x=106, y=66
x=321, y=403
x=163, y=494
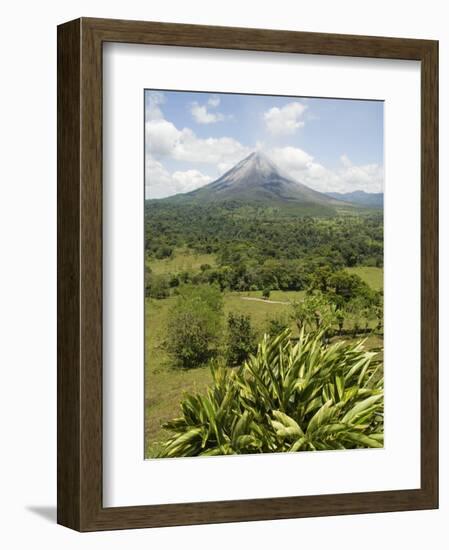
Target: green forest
x=263, y=329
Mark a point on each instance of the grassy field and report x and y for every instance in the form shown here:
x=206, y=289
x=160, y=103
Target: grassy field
x=164, y=385
x=181, y=260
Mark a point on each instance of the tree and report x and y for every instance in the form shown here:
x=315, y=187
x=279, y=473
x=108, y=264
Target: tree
x=156, y=286
x=194, y=325
x=315, y=312
x=240, y=339
x=369, y=314
x=355, y=309
x=163, y=251
x=345, y=286
x=301, y=314
x=379, y=311
x=307, y=313
x=328, y=317
x=340, y=319
x=320, y=278
x=266, y=293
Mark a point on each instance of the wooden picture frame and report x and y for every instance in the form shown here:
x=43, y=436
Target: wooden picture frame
x=80, y=503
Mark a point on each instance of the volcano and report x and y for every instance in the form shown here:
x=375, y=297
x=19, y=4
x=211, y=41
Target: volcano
x=258, y=181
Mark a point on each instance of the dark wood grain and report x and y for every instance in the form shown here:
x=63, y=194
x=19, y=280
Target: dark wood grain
x=80, y=274
x=69, y=408
x=429, y=271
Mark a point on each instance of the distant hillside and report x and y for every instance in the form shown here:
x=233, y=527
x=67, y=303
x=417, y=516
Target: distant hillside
x=257, y=180
x=371, y=200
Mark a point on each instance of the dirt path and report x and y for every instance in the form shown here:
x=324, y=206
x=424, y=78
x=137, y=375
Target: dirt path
x=263, y=300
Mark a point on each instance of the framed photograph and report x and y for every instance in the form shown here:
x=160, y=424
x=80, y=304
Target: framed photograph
x=247, y=274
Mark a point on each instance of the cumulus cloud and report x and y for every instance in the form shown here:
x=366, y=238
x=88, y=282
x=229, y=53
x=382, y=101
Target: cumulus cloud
x=368, y=177
x=190, y=180
x=163, y=139
x=291, y=158
x=202, y=114
x=347, y=177
x=159, y=182
x=214, y=101
x=153, y=101
x=285, y=120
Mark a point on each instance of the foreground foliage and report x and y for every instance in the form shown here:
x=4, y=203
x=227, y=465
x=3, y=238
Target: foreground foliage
x=289, y=396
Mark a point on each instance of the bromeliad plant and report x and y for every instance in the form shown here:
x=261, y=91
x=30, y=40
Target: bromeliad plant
x=289, y=396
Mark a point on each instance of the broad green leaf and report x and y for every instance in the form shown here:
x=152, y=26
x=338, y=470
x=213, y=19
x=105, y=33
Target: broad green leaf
x=297, y=445
x=359, y=408
x=321, y=416
x=287, y=421
x=364, y=439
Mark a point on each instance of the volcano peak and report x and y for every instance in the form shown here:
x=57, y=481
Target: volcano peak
x=256, y=178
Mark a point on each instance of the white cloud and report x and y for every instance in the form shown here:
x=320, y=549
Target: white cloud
x=345, y=161
x=291, y=158
x=368, y=177
x=190, y=180
x=157, y=178
x=154, y=100
x=214, y=101
x=163, y=139
x=159, y=182
x=301, y=166
x=285, y=120
x=202, y=116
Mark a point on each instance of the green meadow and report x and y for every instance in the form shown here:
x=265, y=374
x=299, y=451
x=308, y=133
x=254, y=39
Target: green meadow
x=166, y=384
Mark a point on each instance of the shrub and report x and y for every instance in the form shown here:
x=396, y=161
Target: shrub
x=266, y=293
x=277, y=324
x=240, y=339
x=194, y=325
x=288, y=397
x=156, y=286
x=163, y=251
x=173, y=280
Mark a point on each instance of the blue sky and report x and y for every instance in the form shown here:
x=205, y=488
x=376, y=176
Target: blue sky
x=327, y=144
